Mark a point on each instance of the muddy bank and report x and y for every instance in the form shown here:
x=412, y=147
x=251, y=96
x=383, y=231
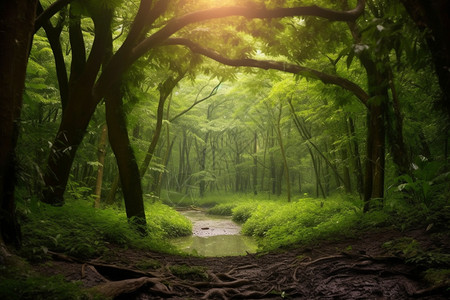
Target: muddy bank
x=351, y=269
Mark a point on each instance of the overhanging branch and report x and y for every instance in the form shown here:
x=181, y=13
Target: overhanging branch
x=274, y=65
x=176, y=24
x=49, y=12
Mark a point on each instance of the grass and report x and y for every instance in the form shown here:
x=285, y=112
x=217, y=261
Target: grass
x=277, y=223
x=42, y=287
x=82, y=231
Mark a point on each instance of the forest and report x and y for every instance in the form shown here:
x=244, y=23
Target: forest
x=315, y=131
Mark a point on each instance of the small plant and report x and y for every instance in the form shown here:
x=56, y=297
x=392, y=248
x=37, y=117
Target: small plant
x=188, y=272
x=148, y=264
x=412, y=252
x=438, y=277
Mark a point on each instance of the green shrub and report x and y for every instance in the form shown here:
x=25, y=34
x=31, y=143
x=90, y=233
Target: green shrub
x=242, y=212
x=172, y=223
x=303, y=221
x=82, y=231
x=223, y=209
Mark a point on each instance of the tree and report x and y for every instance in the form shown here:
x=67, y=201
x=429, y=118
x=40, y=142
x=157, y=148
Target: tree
x=432, y=17
x=87, y=90
x=16, y=31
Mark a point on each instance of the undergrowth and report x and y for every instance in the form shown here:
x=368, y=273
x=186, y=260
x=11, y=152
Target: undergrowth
x=304, y=221
x=35, y=287
x=82, y=231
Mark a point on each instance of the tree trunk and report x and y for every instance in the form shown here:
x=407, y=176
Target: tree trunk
x=394, y=132
x=377, y=82
x=346, y=171
x=357, y=166
x=101, y=153
x=283, y=155
x=75, y=119
x=53, y=35
x=375, y=161
x=16, y=30
x=255, y=164
x=126, y=161
x=165, y=89
x=432, y=16
x=317, y=174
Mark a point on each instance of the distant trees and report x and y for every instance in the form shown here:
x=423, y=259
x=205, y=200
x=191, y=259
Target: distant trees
x=90, y=82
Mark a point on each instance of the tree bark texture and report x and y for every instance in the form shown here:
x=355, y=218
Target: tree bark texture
x=16, y=30
x=80, y=106
x=128, y=169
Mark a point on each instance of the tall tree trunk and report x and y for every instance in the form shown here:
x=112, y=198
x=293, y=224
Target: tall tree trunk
x=255, y=164
x=357, y=166
x=346, y=171
x=71, y=131
x=53, y=35
x=126, y=161
x=283, y=155
x=432, y=16
x=75, y=119
x=375, y=161
x=317, y=174
x=181, y=164
x=395, y=131
x=101, y=153
x=16, y=30
x=202, y=161
x=165, y=89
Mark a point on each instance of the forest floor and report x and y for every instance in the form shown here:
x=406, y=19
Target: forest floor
x=359, y=268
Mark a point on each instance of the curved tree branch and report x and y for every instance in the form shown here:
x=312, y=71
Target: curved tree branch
x=49, y=12
x=176, y=24
x=119, y=63
x=275, y=65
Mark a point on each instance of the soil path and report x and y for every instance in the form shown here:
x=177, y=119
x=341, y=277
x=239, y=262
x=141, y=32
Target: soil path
x=351, y=269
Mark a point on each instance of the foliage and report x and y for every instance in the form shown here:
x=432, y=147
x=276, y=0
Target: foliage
x=243, y=211
x=222, y=209
x=148, y=264
x=82, y=231
x=189, y=272
x=307, y=220
x=39, y=287
x=438, y=277
x=170, y=221
x=425, y=183
x=411, y=250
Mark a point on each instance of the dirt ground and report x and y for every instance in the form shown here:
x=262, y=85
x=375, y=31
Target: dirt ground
x=350, y=269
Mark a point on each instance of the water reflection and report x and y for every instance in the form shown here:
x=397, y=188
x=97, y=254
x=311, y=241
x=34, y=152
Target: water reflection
x=218, y=245
x=214, y=236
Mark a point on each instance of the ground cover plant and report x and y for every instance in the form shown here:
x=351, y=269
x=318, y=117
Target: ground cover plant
x=82, y=231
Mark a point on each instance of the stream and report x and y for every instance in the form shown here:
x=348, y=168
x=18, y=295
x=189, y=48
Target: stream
x=214, y=236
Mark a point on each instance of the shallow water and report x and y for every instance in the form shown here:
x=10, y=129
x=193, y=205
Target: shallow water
x=214, y=236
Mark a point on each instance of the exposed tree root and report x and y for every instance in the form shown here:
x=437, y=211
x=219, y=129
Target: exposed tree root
x=272, y=276
x=116, y=288
x=222, y=284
